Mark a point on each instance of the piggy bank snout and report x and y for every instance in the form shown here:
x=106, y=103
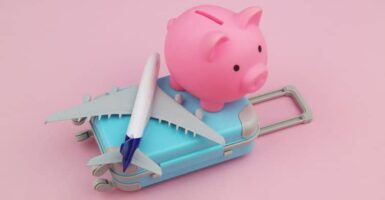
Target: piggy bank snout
x=254, y=79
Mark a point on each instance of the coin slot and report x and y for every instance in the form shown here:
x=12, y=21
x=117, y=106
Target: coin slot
x=208, y=16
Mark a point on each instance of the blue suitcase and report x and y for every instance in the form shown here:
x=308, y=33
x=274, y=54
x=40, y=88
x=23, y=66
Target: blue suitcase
x=179, y=152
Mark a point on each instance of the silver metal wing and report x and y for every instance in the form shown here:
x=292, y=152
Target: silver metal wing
x=119, y=102
x=167, y=109
x=139, y=159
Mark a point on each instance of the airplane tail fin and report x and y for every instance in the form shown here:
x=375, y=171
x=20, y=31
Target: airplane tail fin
x=127, y=149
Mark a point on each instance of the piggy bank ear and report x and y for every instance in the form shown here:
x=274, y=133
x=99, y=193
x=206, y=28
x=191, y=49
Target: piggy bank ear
x=249, y=16
x=211, y=44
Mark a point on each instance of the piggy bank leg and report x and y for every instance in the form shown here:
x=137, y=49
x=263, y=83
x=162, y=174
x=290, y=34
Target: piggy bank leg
x=175, y=85
x=211, y=106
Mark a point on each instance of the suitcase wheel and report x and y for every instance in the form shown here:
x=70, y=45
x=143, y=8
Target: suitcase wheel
x=83, y=135
x=99, y=170
x=103, y=185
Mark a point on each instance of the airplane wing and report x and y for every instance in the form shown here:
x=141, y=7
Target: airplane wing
x=119, y=102
x=167, y=109
x=139, y=159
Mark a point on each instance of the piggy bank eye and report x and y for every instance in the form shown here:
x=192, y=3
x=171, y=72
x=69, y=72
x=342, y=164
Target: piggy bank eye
x=259, y=48
x=236, y=68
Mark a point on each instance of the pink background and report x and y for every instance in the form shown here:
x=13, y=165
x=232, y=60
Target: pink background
x=54, y=52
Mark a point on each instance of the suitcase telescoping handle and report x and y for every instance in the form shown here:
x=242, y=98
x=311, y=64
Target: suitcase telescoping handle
x=290, y=91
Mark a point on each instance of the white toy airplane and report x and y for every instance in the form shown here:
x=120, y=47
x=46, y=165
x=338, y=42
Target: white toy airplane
x=142, y=102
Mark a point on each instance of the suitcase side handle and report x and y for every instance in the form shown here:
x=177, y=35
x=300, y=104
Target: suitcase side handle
x=290, y=91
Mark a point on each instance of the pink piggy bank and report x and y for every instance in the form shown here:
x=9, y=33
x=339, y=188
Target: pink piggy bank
x=215, y=54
